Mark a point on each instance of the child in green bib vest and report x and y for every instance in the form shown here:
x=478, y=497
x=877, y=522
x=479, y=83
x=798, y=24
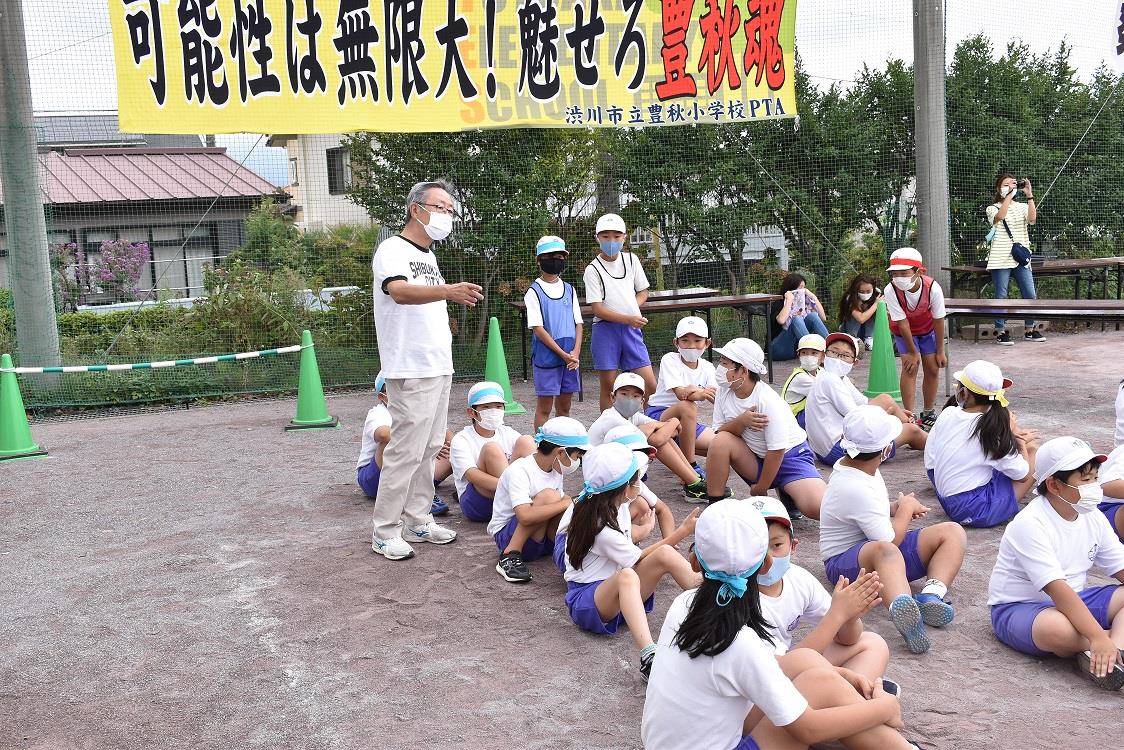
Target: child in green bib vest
x=810, y=350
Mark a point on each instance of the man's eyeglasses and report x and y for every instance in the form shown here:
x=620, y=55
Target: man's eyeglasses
x=438, y=209
x=842, y=356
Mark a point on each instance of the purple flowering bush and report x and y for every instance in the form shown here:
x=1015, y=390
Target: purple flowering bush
x=117, y=269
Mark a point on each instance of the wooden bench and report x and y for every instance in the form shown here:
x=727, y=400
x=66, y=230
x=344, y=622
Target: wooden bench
x=1095, y=269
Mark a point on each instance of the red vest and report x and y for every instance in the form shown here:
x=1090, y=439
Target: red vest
x=921, y=317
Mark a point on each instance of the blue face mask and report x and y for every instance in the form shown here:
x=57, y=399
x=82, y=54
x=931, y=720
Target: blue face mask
x=611, y=247
x=776, y=573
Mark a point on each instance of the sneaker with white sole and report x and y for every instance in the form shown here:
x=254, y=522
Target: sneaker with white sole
x=394, y=548
x=1004, y=339
x=513, y=568
x=430, y=532
x=1034, y=336
x=1114, y=680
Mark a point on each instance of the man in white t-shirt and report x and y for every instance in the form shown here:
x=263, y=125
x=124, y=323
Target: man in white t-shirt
x=415, y=349
x=686, y=382
x=481, y=451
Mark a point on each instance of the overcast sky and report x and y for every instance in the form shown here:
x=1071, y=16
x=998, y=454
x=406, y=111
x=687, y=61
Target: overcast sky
x=71, y=54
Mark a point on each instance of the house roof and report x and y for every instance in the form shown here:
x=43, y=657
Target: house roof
x=145, y=174
x=59, y=131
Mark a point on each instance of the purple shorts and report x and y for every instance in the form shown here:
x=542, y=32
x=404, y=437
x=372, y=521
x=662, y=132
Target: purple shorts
x=926, y=344
x=583, y=609
x=560, y=551
x=796, y=464
x=368, y=479
x=655, y=412
x=837, y=453
x=618, y=346
x=990, y=505
x=748, y=743
x=847, y=563
x=532, y=550
x=1109, y=510
x=554, y=381
x=1013, y=622
x=801, y=419
x=474, y=506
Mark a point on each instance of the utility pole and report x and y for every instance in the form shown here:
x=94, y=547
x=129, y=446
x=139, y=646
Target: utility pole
x=931, y=137
x=37, y=333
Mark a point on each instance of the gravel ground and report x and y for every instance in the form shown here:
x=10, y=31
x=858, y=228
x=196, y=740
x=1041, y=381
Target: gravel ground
x=202, y=579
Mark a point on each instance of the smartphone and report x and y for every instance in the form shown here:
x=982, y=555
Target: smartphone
x=892, y=688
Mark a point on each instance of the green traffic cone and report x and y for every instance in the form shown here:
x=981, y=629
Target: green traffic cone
x=883, y=367
x=15, y=433
x=495, y=369
x=312, y=409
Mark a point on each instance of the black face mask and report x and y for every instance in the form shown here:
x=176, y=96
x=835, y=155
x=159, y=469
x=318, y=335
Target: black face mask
x=553, y=266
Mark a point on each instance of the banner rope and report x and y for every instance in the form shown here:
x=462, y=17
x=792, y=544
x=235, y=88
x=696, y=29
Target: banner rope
x=155, y=365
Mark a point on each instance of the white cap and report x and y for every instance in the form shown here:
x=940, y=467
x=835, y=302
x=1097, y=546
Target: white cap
x=486, y=392
x=812, y=341
x=380, y=382
x=771, y=509
x=628, y=436
x=606, y=467
x=550, y=244
x=746, y=352
x=867, y=429
x=610, y=223
x=692, y=324
x=628, y=378
x=1063, y=454
x=984, y=378
x=563, y=431
x=906, y=259
x=731, y=537
x=846, y=338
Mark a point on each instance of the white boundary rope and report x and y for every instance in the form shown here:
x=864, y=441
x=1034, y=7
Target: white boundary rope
x=154, y=365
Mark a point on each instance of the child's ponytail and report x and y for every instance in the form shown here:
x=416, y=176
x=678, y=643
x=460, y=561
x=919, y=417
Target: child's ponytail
x=591, y=514
x=994, y=428
x=710, y=628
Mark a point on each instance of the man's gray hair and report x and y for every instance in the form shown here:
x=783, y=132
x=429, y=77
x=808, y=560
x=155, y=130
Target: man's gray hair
x=418, y=193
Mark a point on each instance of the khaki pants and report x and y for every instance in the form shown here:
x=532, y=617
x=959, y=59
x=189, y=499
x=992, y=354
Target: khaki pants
x=419, y=408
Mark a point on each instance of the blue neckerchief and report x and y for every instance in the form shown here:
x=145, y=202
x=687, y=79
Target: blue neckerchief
x=487, y=392
x=563, y=441
x=733, y=584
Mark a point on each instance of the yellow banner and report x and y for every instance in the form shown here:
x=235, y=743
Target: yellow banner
x=327, y=66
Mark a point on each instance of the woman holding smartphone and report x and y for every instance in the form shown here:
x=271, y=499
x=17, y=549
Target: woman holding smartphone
x=1010, y=220
x=798, y=314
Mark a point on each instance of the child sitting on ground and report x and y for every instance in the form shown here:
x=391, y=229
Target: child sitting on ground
x=915, y=304
x=555, y=320
x=796, y=388
x=791, y=596
x=756, y=434
x=609, y=580
x=1040, y=600
x=649, y=506
x=861, y=529
x=1112, y=483
x=529, y=499
x=979, y=461
x=716, y=675
x=833, y=396
x=376, y=435
x=481, y=451
x=858, y=307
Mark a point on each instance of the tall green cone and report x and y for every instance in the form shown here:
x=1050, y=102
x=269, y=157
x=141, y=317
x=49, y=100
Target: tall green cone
x=496, y=368
x=15, y=433
x=883, y=367
x=312, y=409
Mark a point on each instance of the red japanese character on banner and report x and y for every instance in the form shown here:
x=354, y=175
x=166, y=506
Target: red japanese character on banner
x=763, y=49
x=677, y=81
x=717, y=57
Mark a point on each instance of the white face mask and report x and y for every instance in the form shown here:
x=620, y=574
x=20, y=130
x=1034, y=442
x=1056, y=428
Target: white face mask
x=837, y=367
x=809, y=362
x=490, y=419
x=904, y=284
x=690, y=355
x=570, y=468
x=865, y=296
x=626, y=406
x=439, y=226
x=1091, y=496
x=1007, y=190
x=724, y=380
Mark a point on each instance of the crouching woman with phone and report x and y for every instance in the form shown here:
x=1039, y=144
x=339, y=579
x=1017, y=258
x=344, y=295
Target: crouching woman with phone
x=1010, y=248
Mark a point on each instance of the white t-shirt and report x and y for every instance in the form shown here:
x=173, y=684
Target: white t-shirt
x=936, y=301
x=615, y=283
x=1112, y=470
x=803, y=599
x=1017, y=215
x=1119, y=436
x=378, y=416
x=800, y=386
x=958, y=460
x=674, y=373
x=465, y=447
x=699, y=703
x=554, y=290
x=611, y=552
x=518, y=485
x=856, y=508
x=611, y=418
x=1039, y=547
x=828, y=402
x=415, y=341
x=782, y=432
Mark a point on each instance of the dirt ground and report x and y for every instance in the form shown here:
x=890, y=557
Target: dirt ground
x=201, y=579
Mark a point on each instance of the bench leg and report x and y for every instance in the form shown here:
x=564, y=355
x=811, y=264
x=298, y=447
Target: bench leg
x=948, y=365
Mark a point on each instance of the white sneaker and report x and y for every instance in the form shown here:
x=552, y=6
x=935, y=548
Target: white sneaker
x=430, y=532
x=869, y=343
x=394, y=548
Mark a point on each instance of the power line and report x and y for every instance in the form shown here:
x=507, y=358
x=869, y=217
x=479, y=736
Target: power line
x=68, y=46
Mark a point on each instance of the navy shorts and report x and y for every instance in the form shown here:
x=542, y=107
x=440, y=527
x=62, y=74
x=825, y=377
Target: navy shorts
x=990, y=505
x=926, y=344
x=618, y=346
x=368, y=478
x=474, y=506
x=847, y=563
x=1013, y=622
x=532, y=550
x=655, y=412
x=837, y=453
x=796, y=464
x=554, y=381
x=583, y=609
